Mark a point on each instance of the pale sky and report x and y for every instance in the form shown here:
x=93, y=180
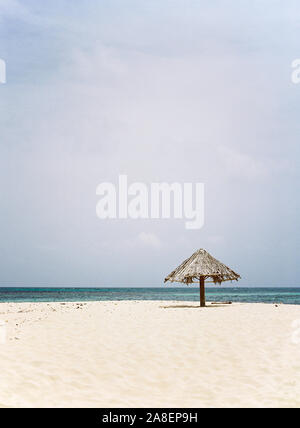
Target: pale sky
x=162, y=91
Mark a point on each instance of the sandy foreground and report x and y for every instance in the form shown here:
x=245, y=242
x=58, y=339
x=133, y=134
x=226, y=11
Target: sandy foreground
x=149, y=354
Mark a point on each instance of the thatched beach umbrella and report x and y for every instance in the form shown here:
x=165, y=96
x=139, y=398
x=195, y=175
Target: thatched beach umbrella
x=199, y=267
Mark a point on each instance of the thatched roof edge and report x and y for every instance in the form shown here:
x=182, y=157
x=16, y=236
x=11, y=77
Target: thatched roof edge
x=201, y=263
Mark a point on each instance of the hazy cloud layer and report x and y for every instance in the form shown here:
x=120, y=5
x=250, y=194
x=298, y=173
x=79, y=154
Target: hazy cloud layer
x=159, y=91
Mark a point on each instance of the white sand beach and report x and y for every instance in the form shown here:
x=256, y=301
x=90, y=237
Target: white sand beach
x=149, y=354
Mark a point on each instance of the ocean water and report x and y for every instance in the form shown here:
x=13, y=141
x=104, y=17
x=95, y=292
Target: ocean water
x=184, y=293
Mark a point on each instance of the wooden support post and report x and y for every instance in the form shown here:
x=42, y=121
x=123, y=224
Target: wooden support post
x=202, y=291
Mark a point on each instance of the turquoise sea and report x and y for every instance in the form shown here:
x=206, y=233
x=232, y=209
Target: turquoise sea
x=215, y=294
